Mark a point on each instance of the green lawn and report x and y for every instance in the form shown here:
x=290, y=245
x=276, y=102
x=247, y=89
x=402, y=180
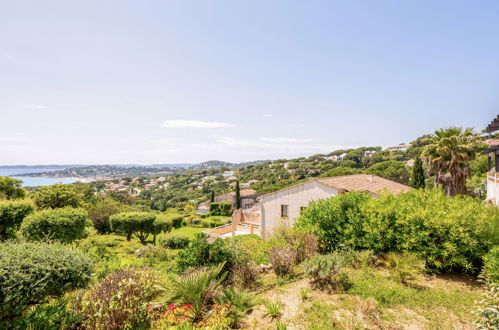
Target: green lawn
x=188, y=231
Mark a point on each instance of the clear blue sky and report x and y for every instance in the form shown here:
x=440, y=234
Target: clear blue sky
x=145, y=82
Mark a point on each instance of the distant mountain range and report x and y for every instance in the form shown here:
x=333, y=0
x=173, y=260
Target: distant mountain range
x=116, y=171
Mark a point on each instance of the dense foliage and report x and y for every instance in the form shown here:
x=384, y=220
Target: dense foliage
x=201, y=253
x=64, y=224
x=12, y=214
x=174, y=241
x=449, y=155
x=327, y=272
x=100, y=211
x=449, y=234
x=138, y=223
x=57, y=195
x=30, y=272
x=117, y=301
x=11, y=188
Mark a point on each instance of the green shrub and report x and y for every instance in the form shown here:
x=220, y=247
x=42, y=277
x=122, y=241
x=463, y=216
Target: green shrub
x=198, y=288
x=336, y=221
x=63, y=224
x=177, y=222
x=12, y=214
x=100, y=211
x=201, y=253
x=221, y=208
x=33, y=271
x=274, y=308
x=117, y=301
x=138, y=223
x=304, y=244
x=447, y=233
x=51, y=316
x=57, y=195
x=243, y=272
x=160, y=226
x=98, y=248
x=404, y=267
x=326, y=272
x=11, y=188
x=174, y=241
x=491, y=265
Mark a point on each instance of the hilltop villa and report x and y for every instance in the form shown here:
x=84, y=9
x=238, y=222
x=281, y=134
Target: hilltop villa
x=493, y=165
x=282, y=207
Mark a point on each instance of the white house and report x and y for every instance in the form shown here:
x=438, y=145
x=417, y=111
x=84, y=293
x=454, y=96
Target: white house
x=398, y=147
x=282, y=207
x=493, y=166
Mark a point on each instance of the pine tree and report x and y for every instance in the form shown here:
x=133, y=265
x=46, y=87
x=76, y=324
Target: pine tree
x=212, y=198
x=417, y=175
x=238, y=196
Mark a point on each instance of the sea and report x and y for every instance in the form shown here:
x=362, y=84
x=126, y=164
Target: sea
x=34, y=181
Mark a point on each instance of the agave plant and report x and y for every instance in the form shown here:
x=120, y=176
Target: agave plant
x=241, y=301
x=199, y=287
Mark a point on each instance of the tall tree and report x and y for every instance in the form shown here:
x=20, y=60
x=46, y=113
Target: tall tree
x=11, y=188
x=449, y=156
x=212, y=197
x=238, y=196
x=417, y=175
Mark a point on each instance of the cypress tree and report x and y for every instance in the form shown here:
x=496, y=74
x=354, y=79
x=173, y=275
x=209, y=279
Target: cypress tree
x=212, y=197
x=417, y=175
x=238, y=196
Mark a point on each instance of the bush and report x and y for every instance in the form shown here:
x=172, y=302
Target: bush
x=221, y=208
x=283, y=259
x=201, y=253
x=326, y=272
x=404, y=266
x=336, y=221
x=174, y=241
x=160, y=226
x=100, y=211
x=64, y=225
x=32, y=271
x=11, y=188
x=305, y=244
x=447, y=233
x=12, y=214
x=491, y=265
x=51, y=316
x=138, y=223
x=117, y=301
x=198, y=288
x=57, y=195
x=243, y=272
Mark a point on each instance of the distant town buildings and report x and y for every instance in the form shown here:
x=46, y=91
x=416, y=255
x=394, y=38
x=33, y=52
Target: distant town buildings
x=398, y=147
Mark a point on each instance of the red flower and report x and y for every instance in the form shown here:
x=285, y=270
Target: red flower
x=172, y=307
x=187, y=305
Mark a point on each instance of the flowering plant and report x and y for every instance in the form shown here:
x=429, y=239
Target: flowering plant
x=163, y=316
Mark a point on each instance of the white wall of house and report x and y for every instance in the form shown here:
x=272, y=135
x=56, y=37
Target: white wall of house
x=493, y=188
x=295, y=198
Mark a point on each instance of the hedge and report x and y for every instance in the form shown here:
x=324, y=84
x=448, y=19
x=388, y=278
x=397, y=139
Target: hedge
x=32, y=271
x=12, y=214
x=138, y=223
x=174, y=241
x=64, y=224
x=448, y=233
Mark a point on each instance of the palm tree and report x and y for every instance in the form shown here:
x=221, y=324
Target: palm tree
x=449, y=155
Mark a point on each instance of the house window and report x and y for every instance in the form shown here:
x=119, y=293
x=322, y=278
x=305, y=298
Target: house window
x=284, y=211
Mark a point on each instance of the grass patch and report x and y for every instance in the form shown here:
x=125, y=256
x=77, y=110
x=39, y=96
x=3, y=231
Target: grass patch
x=375, y=284
x=188, y=231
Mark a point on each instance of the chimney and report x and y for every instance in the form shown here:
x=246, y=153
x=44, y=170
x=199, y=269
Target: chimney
x=370, y=178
